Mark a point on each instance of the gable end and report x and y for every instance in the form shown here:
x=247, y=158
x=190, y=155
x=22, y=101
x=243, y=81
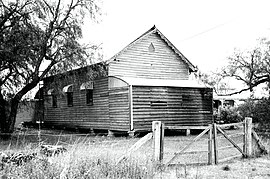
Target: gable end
x=153, y=30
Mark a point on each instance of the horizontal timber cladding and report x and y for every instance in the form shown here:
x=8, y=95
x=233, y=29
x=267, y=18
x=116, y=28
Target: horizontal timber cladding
x=138, y=61
x=177, y=106
x=119, y=108
x=80, y=115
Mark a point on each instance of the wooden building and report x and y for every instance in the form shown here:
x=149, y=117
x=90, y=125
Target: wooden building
x=147, y=80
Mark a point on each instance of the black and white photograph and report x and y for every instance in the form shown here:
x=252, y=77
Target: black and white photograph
x=134, y=89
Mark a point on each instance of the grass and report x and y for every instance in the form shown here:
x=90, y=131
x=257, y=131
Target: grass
x=73, y=166
x=266, y=142
x=96, y=156
x=87, y=157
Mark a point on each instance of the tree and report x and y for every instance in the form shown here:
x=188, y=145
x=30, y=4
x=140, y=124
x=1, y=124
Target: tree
x=213, y=80
x=37, y=38
x=250, y=67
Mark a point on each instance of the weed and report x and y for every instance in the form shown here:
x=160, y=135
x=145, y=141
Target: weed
x=226, y=168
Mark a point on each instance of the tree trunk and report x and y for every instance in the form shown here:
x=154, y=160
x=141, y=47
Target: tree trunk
x=4, y=126
x=12, y=114
x=8, y=112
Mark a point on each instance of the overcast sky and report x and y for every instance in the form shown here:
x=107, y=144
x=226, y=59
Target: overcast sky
x=205, y=31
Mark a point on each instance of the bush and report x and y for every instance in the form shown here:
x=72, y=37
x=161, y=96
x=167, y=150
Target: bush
x=227, y=115
x=247, y=109
x=259, y=110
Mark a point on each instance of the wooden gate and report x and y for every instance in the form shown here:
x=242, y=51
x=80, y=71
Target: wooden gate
x=236, y=144
x=212, y=142
x=184, y=150
x=215, y=151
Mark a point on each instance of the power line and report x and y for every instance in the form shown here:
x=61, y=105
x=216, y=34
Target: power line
x=207, y=30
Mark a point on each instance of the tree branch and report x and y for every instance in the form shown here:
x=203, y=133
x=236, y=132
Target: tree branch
x=6, y=78
x=248, y=88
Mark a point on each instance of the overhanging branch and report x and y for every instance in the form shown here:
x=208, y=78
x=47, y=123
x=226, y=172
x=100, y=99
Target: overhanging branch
x=252, y=85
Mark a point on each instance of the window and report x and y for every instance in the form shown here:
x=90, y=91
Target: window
x=69, y=92
x=70, y=98
x=54, y=101
x=89, y=96
x=151, y=48
x=88, y=88
x=186, y=97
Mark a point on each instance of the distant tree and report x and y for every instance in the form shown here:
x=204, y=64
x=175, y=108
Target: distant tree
x=251, y=68
x=37, y=38
x=213, y=80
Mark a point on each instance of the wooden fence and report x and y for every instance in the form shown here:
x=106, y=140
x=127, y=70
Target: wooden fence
x=244, y=148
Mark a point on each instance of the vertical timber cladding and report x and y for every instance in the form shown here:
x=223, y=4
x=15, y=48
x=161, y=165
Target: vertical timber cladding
x=119, y=104
x=80, y=114
x=171, y=105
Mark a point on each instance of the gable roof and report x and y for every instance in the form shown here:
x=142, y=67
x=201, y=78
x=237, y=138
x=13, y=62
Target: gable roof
x=151, y=31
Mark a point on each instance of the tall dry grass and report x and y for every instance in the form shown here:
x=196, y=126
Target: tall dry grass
x=87, y=157
x=92, y=157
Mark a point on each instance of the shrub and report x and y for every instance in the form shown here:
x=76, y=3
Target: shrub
x=227, y=114
x=258, y=110
x=247, y=109
x=261, y=111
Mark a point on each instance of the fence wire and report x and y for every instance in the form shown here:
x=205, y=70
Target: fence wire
x=197, y=153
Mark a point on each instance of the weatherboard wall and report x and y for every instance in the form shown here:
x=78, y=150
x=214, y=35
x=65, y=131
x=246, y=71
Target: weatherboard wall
x=142, y=61
x=176, y=106
x=80, y=115
x=119, y=109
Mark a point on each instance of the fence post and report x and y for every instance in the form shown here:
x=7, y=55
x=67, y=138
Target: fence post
x=210, y=145
x=248, y=136
x=158, y=135
x=162, y=141
x=215, y=142
x=244, y=139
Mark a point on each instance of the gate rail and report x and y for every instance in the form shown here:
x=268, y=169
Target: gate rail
x=213, y=129
x=157, y=136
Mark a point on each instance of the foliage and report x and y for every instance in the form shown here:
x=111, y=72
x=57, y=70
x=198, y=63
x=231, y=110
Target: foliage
x=38, y=38
x=258, y=110
x=216, y=81
x=228, y=114
x=262, y=110
x=251, y=67
x=247, y=109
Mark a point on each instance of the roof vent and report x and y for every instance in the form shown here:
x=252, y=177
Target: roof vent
x=151, y=47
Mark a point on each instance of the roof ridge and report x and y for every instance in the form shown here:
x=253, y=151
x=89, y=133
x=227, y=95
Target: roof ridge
x=152, y=29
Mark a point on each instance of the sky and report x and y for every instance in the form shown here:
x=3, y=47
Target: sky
x=206, y=32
